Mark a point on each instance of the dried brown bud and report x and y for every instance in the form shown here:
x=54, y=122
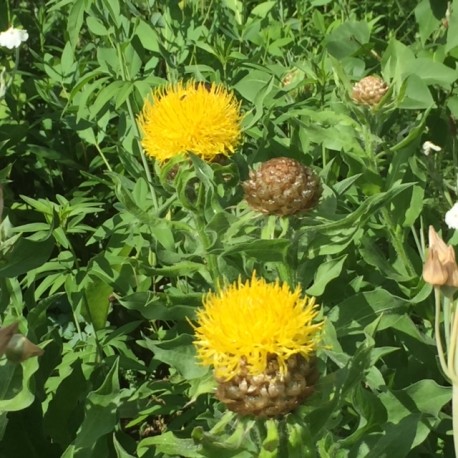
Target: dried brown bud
x=6, y=334
x=20, y=348
x=440, y=266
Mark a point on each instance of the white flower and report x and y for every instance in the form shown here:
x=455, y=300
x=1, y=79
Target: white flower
x=12, y=38
x=430, y=146
x=451, y=217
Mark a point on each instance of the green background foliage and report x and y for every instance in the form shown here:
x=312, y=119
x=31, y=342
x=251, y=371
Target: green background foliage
x=104, y=257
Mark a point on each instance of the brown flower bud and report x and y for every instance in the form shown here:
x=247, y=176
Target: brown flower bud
x=5, y=336
x=440, y=266
x=282, y=186
x=369, y=91
x=20, y=348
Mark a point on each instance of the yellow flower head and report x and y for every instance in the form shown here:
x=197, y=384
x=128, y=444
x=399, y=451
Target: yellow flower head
x=190, y=118
x=247, y=322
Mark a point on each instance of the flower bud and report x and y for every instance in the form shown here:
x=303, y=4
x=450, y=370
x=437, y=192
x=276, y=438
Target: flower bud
x=440, y=268
x=369, y=91
x=434, y=272
x=6, y=334
x=282, y=186
x=20, y=348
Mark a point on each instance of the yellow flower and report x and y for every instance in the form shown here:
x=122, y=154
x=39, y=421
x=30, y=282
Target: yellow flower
x=190, y=118
x=248, y=323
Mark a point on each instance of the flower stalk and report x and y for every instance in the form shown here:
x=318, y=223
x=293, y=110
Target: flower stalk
x=441, y=271
x=16, y=347
x=369, y=93
x=212, y=261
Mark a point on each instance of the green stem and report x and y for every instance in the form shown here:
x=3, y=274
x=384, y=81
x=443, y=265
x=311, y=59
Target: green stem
x=102, y=155
x=212, y=260
x=451, y=346
x=453, y=354
x=437, y=333
x=418, y=243
x=455, y=417
x=447, y=317
x=368, y=133
x=454, y=363
x=449, y=368
x=455, y=162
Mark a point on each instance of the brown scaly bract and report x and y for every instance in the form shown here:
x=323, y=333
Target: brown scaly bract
x=282, y=186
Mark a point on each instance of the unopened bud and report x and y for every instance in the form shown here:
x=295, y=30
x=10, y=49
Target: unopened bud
x=369, y=91
x=20, y=348
x=440, y=267
x=6, y=334
x=434, y=272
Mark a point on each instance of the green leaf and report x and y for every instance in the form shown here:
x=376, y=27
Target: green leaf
x=361, y=309
x=120, y=451
x=406, y=415
x=300, y=443
x=96, y=27
x=428, y=22
x=398, y=62
x=75, y=21
x=263, y=9
x=234, y=446
x=26, y=255
x=5, y=173
x=348, y=38
x=123, y=93
x=97, y=294
x=432, y=72
x=416, y=95
x=452, y=30
x=316, y=235
x=168, y=444
x=269, y=446
x=326, y=272
x=336, y=387
x=147, y=36
x=263, y=250
x=97, y=285
x=156, y=306
x=105, y=95
x=452, y=105
x=101, y=412
x=429, y=396
x=375, y=257
x=16, y=384
x=181, y=268
x=67, y=402
x=415, y=206
x=180, y=354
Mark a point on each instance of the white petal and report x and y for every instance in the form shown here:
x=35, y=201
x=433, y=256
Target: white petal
x=451, y=217
x=430, y=146
x=12, y=38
